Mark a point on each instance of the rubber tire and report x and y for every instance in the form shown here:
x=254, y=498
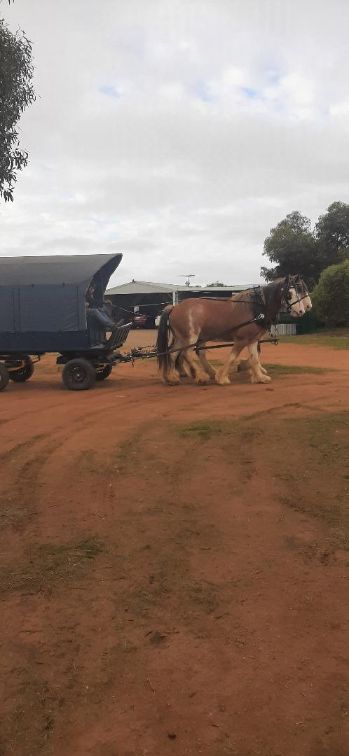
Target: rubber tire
x=24, y=373
x=4, y=377
x=78, y=375
x=103, y=373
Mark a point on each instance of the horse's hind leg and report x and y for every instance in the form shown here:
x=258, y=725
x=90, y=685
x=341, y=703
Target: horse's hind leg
x=206, y=364
x=173, y=375
x=183, y=367
x=199, y=375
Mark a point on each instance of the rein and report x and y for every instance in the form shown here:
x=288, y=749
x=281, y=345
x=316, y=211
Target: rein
x=137, y=352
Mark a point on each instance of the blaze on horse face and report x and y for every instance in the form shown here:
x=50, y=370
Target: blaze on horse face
x=297, y=297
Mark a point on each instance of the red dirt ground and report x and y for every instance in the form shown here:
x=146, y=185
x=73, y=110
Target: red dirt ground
x=175, y=563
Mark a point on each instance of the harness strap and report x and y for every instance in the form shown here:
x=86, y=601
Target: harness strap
x=289, y=305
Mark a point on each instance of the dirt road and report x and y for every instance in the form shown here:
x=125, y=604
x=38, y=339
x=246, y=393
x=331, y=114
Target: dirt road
x=175, y=563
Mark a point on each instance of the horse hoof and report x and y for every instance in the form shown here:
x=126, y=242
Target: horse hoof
x=261, y=379
x=223, y=381
x=202, y=381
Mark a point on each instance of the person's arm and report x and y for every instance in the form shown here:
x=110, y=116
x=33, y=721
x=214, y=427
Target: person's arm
x=98, y=316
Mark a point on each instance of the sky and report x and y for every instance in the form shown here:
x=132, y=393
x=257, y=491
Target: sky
x=178, y=132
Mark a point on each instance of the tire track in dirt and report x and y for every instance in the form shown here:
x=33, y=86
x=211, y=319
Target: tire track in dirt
x=207, y=611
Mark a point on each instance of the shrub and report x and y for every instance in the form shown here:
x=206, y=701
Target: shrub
x=331, y=295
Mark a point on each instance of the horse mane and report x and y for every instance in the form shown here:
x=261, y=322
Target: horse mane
x=272, y=294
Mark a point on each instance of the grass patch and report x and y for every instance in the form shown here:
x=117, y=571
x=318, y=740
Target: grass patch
x=126, y=453
x=202, y=595
x=309, y=457
x=275, y=369
x=47, y=565
x=21, y=447
x=333, y=339
x=205, y=429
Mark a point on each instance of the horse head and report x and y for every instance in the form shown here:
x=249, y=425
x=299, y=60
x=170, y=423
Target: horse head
x=296, y=296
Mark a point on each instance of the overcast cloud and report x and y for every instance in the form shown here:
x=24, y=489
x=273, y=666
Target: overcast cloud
x=179, y=132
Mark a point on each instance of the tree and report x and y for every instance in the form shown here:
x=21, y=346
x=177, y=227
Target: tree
x=332, y=234
x=16, y=92
x=331, y=295
x=292, y=247
x=215, y=283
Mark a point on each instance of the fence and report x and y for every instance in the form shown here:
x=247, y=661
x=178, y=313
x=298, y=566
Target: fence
x=284, y=329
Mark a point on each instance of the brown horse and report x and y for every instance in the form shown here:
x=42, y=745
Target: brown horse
x=244, y=319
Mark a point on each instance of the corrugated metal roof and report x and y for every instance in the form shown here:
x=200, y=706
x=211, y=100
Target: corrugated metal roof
x=233, y=287
x=142, y=287
x=149, y=287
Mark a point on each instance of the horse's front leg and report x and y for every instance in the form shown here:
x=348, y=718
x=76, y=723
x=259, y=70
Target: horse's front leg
x=259, y=359
x=222, y=375
x=257, y=372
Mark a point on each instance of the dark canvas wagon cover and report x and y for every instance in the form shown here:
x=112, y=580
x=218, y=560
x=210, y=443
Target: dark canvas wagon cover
x=43, y=300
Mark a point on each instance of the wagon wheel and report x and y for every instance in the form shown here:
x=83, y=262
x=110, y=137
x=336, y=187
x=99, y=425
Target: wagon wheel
x=4, y=377
x=103, y=372
x=24, y=373
x=78, y=375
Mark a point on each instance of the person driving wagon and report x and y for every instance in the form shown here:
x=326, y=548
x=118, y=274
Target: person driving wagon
x=99, y=321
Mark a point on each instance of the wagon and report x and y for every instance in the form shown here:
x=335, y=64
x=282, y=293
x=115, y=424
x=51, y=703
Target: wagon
x=56, y=304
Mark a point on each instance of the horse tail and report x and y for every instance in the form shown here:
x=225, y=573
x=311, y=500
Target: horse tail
x=162, y=342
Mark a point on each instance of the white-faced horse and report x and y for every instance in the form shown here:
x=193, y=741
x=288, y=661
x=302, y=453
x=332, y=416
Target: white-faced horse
x=244, y=319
